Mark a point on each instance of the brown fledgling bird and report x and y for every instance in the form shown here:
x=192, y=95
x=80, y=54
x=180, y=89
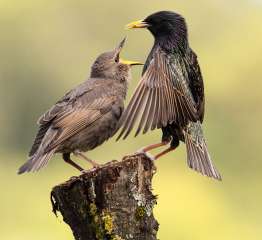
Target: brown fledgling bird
x=170, y=94
x=86, y=116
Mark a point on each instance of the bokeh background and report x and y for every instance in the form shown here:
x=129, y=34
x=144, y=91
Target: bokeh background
x=47, y=47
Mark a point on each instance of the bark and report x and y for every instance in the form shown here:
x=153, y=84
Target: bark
x=111, y=202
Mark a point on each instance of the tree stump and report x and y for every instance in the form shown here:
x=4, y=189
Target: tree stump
x=111, y=202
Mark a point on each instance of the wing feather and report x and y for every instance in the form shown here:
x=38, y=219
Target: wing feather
x=156, y=110
x=130, y=110
x=74, y=123
x=135, y=110
x=78, y=119
x=145, y=112
x=161, y=97
x=150, y=117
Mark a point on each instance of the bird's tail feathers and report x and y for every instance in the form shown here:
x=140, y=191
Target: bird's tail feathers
x=41, y=157
x=198, y=157
x=36, y=162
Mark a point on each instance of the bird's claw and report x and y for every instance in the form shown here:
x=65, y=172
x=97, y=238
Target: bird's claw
x=150, y=156
x=147, y=154
x=95, y=167
x=140, y=151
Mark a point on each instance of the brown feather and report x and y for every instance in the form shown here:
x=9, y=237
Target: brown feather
x=173, y=102
x=197, y=154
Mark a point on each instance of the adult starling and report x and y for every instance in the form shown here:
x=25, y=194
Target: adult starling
x=86, y=116
x=170, y=94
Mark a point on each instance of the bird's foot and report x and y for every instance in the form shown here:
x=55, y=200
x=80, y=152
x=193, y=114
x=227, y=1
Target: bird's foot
x=95, y=164
x=147, y=154
x=92, y=162
x=140, y=151
x=89, y=170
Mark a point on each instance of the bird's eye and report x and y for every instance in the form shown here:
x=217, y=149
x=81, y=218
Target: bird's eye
x=117, y=58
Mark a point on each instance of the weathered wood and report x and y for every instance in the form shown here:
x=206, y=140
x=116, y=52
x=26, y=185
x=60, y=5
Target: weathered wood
x=111, y=202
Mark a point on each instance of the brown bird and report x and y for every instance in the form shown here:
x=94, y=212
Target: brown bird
x=86, y=116
x=170, y=94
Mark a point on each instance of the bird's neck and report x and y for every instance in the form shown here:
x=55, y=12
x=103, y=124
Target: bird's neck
x=173, y=42
x=122, y=86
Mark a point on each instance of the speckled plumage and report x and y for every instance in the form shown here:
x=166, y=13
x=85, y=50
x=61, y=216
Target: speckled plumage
x=170, y=94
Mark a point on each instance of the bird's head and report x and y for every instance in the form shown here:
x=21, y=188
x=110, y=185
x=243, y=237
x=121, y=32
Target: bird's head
x=162, y=24
x=110, y=65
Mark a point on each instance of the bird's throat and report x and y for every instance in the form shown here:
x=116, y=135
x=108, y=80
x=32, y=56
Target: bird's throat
x=173, y=42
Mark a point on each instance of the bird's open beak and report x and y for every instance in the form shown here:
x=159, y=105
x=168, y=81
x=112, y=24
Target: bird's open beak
x=126, y=62
x=131, y=63
x=120, y=46
x=137, y=24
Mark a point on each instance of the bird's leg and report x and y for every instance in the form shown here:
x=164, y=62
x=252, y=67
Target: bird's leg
x=164, y=152
x=152, y=146
x=81, y=155
x=67, y=159
x=145, y=149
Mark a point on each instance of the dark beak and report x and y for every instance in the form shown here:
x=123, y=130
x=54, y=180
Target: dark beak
x=126, y=62
x=120, y=46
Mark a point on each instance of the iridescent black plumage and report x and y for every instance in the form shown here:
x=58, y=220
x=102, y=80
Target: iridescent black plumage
x=170, y=94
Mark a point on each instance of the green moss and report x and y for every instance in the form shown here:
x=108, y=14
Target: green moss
x=140, y=212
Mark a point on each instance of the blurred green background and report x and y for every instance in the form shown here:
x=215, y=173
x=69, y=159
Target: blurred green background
x=47, y=47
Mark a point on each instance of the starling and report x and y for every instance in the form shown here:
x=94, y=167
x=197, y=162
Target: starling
x=170, y=94
x=86, y=116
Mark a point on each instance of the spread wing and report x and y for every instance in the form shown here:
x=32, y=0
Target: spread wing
x=162, y=96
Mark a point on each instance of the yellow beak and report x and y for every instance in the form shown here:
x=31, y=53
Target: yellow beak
x=131, y=63
x=137, y=24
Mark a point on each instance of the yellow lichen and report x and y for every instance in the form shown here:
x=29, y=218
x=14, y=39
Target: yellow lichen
x=116, y=237
x=93, y=209
x=102, y=223
x=108, y=222
x=140, y=212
